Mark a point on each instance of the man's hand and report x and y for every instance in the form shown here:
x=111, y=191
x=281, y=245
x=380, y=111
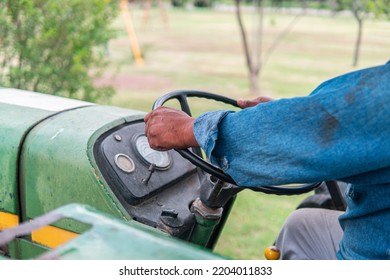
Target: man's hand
x=168, y=128
x=251, y=103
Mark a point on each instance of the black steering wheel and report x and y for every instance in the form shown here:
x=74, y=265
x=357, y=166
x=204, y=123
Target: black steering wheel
x=196, y=157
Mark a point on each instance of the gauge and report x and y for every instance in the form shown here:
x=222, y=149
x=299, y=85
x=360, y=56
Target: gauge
x=161, y=160
x=124, y=162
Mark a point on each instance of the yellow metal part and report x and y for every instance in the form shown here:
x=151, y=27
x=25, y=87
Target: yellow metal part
x=8, y=220
x=52, y=237
x=130, y=31
x=272, y=253
x=49, y=236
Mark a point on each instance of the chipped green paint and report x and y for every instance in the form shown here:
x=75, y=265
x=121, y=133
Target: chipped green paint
x=57, y=163
x=12, y=130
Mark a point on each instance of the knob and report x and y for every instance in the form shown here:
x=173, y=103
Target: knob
x=272, y=253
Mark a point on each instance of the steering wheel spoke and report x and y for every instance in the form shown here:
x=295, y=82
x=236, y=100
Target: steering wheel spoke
x=185, y=107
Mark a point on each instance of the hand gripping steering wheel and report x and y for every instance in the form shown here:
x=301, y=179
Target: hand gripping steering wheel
x=196, y=159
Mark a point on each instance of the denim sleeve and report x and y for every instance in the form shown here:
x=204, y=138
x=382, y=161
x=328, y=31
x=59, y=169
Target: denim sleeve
x=340, y=131
x=206, y=131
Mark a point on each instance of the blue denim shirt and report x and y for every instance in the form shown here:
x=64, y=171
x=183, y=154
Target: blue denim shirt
x=341, y=131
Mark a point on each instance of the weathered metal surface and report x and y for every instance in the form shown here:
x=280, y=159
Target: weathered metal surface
x=206, y=220
x=19, y=112
x=110, y=238
x=14, y=122
x=57, y=163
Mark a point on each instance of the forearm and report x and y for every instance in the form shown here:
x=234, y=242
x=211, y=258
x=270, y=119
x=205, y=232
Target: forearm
x=340, y=131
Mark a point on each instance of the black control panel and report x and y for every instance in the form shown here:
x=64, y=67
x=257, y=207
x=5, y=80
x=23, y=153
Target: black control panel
x=138, y=171
x=156, y=188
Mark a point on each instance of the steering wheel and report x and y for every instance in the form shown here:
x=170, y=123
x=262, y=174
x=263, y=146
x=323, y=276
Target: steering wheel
x=196, y=159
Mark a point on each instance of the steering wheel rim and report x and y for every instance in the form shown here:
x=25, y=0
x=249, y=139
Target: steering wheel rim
x=182, y=96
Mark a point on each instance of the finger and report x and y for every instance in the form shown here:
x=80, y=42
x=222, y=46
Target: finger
x=147, y=129
x=153, y=113
x=242, y=103
x=248, y=103
x=263, y=99
x=147, y=117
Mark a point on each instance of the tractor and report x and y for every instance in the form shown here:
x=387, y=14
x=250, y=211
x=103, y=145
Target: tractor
x=80, y=181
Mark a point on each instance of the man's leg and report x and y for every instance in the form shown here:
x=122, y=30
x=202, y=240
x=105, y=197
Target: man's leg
x=310, y=234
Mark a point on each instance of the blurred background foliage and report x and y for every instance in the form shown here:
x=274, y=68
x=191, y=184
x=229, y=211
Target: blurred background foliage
x=61, y=47
x=55, y=47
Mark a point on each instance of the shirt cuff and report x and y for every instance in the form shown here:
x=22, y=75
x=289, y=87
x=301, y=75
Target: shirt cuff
x=206, y=130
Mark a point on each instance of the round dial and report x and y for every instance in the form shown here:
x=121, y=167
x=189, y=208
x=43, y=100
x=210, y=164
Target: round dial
x=161, y=160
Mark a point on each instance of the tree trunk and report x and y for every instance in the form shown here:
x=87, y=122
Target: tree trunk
x=359, y=12
x=256, y=58
x=358, y=42
x=253, y=70
x=254, y=83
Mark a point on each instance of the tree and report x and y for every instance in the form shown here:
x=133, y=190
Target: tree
x=53, y=46
x=361, y=9
x=380, y=8
x=255, y=57
x=252, y=58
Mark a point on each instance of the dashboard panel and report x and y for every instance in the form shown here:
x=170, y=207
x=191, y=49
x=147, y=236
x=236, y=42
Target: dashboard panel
x=156, y=188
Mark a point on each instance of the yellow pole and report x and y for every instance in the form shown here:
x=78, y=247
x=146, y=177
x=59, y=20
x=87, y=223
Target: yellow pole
x=130, y=31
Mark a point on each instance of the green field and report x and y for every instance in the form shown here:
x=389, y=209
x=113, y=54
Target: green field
x=201, y=49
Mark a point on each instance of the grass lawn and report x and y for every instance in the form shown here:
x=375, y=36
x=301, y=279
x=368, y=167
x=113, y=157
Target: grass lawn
x=201, y=49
